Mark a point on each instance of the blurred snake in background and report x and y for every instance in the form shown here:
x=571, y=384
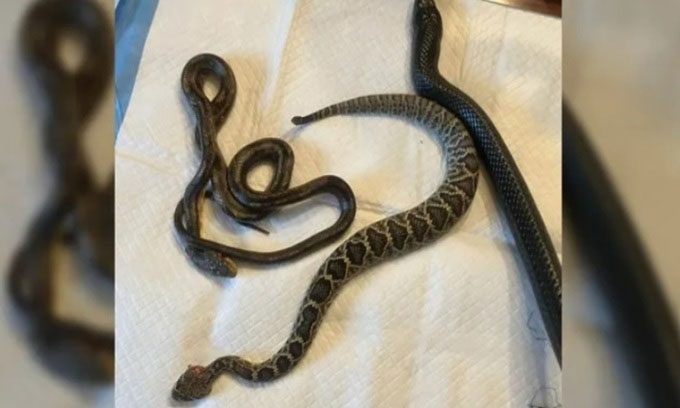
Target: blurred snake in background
x=77, y=210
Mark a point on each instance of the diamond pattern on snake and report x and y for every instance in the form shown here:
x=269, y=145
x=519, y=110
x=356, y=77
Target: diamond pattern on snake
x=378, y=242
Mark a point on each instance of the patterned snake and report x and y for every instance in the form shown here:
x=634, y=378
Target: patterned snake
x=76, y=207
x=380, y=241
x=229, y=183
x=531, y=237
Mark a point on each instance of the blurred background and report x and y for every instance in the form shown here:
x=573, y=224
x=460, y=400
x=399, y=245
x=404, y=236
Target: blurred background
x=27, y=183
x=621, y=306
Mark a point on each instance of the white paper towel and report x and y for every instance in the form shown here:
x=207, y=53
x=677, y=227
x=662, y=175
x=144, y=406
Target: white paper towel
x=451, y=325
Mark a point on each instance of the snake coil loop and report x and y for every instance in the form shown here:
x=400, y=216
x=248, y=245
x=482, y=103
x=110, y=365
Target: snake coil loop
x=229, y=185
x=71, y=349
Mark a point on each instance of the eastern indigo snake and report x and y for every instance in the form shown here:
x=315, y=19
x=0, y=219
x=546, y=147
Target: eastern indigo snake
x=76, y=208
x=525, y=221
x=380, y=241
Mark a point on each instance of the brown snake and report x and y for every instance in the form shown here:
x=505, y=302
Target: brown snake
x=380, y=241
x=229, y=186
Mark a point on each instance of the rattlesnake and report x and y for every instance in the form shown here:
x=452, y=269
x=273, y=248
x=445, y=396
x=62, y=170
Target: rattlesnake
x=380, y=241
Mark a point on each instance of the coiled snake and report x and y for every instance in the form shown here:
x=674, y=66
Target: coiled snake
x=229, y=184
x=380, y=241
x=75, y=206
x=531, y=237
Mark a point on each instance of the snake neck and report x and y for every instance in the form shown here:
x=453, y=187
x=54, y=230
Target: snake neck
x=427, y=34
x=268, y=370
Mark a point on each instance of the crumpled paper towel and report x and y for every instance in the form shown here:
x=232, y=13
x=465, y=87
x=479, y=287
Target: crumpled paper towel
x=451, y=325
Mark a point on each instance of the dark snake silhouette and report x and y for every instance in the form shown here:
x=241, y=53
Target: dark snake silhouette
x=380, y=241
x=531, y=237
x=76, y=210
x=229, y=187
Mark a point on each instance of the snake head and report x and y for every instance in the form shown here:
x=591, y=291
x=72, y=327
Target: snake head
x=427, y=33
x=195, y=383
x=211, y=261
x=426, y=15
x=424, y=4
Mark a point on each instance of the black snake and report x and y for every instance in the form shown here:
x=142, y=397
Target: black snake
x=76, y=208
x=229, y=187
x=525, y=221
x=380, y=241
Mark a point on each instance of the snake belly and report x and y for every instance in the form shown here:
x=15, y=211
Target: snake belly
x=532, y=239
x=378, y=242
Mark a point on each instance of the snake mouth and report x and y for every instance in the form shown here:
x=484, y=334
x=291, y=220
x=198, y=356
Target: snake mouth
x=177, y=395
x=181, y=396
x=211, y=262
x=192, y=385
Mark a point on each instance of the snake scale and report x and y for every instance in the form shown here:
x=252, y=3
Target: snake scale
x=380, y=241
x=77, y=211
x=527, y=226
x=229, y=184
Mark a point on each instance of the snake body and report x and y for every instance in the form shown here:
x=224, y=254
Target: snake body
x=380, y=241
x=76, y=208
x=531, y=236
x=230, y=189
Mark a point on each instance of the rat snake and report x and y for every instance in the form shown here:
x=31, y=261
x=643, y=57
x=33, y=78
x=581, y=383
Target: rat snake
x=76, y=208
x=525, y=221
x=380, y=241
x=230, y=189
